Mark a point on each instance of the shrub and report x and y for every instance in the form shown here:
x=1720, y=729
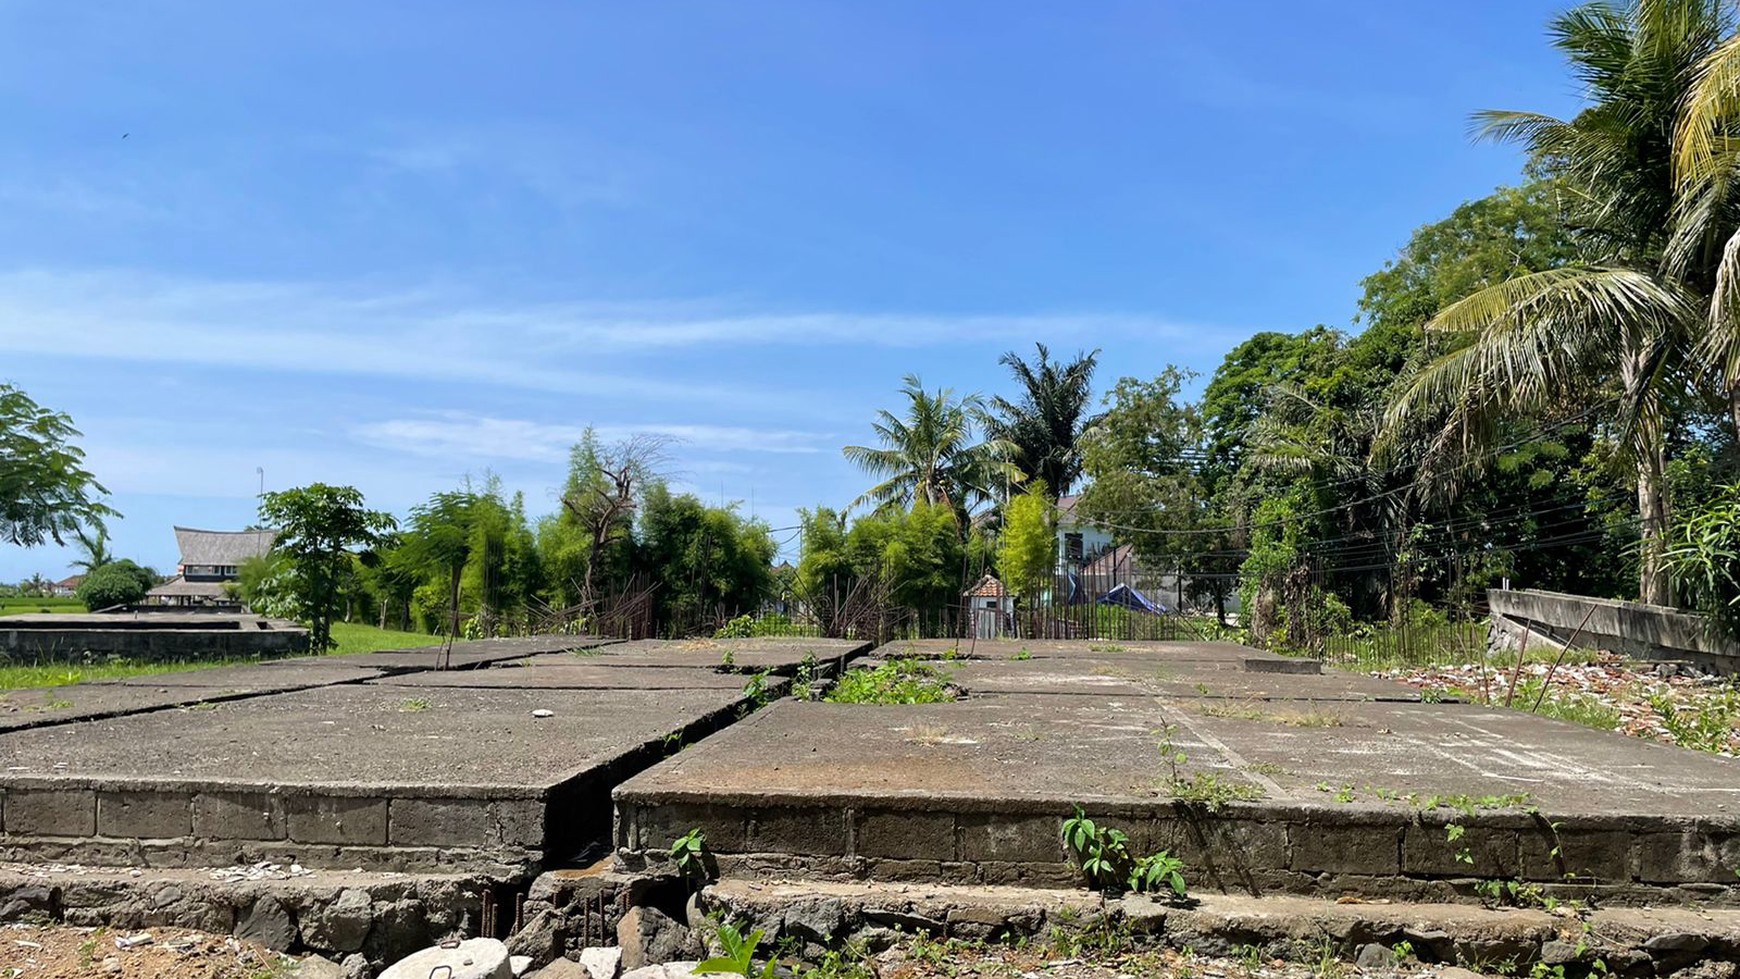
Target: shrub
x=116, y=583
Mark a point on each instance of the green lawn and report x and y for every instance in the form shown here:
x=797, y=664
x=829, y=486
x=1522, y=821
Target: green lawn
x=24, y=606
x=352, y=637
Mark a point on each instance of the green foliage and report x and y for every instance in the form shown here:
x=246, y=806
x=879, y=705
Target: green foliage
x=741, y=627
x=116, y=583
x=317, y=524
x=45, y=492
x=1027, y=546
x=689, y=853
x=1703, y=555
x=932, y=456
x=268, y=585
x=1103, y=853
x=737, y=955
x=1707, y=725
x=1041, y=430
x=710, y=563
x=900, y=681
x=1158, y=872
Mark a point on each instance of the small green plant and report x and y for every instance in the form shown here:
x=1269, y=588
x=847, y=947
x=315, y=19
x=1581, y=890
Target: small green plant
x=1453, y=833
x=1511, y=893
x=1157, y=872
x=1402, y=951
x=1104, y=854
x=726, y=660
x=414, y=704
x=756, y=694
x=1211, y=791
x=689, y=853
x=1023, y=655
x=737, y=954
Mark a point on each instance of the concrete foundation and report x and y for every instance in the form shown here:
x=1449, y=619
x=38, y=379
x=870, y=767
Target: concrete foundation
x=1263, y=783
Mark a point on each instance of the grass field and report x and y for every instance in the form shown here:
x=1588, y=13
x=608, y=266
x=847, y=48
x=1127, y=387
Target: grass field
x=24, y=606
x=352, y=637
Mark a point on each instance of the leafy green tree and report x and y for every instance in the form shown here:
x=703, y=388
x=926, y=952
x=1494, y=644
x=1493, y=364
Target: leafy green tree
x=915, y=558
x=45, y=492
x=317, y=525
x=932, y=456
x=267, y=584
x=439, y=543
x=710, y=563
x=116, y=583
x=1629, y=317
x=1043, y=427
x=1027, y=548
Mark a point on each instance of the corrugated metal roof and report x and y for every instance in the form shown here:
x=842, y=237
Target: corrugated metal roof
x=222, y=547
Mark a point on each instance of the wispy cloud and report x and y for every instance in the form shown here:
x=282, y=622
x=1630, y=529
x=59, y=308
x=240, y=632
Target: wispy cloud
x=619, y=353
x=465, y=436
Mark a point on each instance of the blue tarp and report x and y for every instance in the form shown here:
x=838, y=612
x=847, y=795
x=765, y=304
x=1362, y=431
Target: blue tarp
x=1127, y=597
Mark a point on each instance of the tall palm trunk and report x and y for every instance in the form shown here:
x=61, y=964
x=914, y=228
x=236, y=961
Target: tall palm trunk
x=1654, y=586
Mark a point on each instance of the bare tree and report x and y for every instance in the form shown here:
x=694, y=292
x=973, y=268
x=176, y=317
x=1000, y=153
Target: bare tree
x=604, y=499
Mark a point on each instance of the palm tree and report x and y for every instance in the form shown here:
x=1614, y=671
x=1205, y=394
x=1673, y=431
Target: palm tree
x=1631, y=313
x=1044, y=427
x=95, y=550
x=931, y=455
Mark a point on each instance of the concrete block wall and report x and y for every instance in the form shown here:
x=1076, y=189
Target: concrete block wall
x=214, y=826
x=1257, y=848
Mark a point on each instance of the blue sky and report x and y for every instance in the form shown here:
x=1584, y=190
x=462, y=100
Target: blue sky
x=393, y=243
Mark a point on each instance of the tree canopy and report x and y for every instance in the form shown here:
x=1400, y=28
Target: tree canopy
x=46, y=494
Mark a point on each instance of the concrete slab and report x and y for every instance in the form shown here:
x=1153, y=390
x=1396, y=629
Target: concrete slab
x=45, y=706
x=1015, y=649
x=464, y=741
x=977, y=790
x=1154, y=673
x=467, y=655
x=780, y=655
x=563, y=672
x=384, y=778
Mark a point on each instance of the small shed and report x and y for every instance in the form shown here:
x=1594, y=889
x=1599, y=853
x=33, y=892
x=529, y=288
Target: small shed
x=991, y=606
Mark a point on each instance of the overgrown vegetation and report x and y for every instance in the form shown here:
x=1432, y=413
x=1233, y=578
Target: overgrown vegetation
x=898, y=681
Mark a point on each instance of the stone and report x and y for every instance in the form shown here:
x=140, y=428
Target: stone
x=519, y=965
x=30, y=904
x=1375, y=956
x=269, y=924
x=648, y=936
x=357, y=967
x=601, y=963
x=1558, y=953
x=669, y=970
x=341, y=926
x=819, y=920
x=1675, y=943
x=542, y=939
x=318, y=967
x=562, y=969
x=476, y=958
x=1457, y=972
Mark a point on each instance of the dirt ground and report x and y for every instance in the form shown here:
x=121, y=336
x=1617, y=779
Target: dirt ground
x=32, y=952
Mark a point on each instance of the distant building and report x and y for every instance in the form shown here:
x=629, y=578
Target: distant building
x=991, y=606
x=66, y=586
x=209, y=559
x=1078, y=542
